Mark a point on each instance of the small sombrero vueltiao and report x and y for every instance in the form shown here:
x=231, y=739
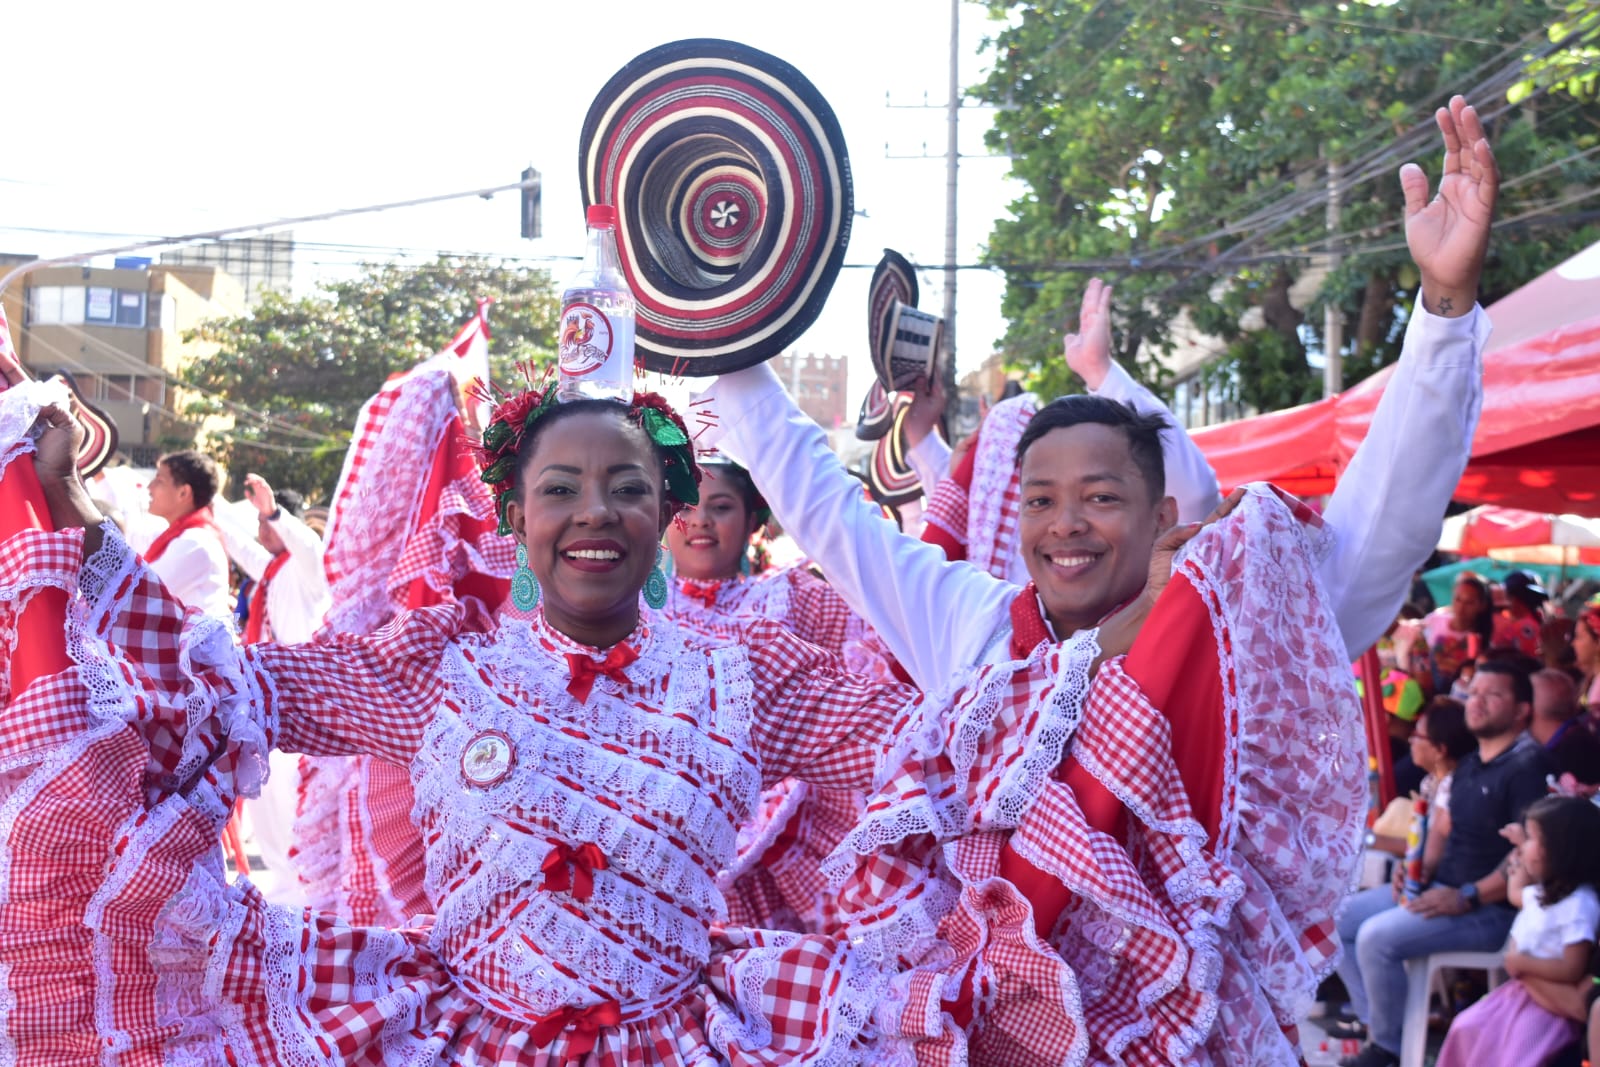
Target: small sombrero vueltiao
x=890, y=477
x=903, y=340
x=100, y=432
x=893, y=280
x=733, y=195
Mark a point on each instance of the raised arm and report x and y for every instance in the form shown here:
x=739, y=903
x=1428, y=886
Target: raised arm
x=1190, y=479
x=1390, y=502
x=935, y=616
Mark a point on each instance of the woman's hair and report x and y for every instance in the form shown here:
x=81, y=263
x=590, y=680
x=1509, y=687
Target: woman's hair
x=1483, y=625
x=738, y=479
x=1569, y=828
x=1447, y=727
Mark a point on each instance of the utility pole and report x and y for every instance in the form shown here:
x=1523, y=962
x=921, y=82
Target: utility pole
x=1332, y=316
x=952, y=164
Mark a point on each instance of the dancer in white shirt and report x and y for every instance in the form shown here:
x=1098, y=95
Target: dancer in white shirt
x=188, y=555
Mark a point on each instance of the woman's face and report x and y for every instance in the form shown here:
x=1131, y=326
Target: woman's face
x=1425, y=752
x=1585, y=646
x=707, y=541
x=1466, y=604
x=590, y=515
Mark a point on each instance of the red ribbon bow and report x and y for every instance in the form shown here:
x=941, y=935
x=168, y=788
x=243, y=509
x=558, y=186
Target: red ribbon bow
x=585, y=670
x=585, y=1023
x=705, y=592
x=572, y=869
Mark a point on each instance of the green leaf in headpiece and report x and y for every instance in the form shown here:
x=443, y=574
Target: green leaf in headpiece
x=497, y=435
x=499, y=470
x=500, y=504
x=680, y=480
x=662, y=430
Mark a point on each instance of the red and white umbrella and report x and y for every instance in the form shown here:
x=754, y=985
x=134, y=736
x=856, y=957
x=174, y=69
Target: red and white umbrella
x=1522, y=536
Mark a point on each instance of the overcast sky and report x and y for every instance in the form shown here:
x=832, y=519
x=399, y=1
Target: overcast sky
x=160, y=118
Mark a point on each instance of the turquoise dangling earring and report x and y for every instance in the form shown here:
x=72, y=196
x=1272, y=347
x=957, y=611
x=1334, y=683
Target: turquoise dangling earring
x=655, y=586
x=524, y=586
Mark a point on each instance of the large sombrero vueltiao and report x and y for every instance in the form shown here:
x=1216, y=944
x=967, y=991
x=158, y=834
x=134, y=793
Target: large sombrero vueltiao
x=732, y=188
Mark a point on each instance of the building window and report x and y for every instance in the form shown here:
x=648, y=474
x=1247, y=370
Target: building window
x=130, y=308
x=101, y=305
x=55, y=305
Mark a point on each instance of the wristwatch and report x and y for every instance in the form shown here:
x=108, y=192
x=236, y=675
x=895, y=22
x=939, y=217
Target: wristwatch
x=1469, y=895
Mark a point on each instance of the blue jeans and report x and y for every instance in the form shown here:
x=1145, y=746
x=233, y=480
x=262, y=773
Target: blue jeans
x=1379, y=937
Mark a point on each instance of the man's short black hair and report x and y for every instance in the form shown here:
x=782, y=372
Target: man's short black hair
x=1520, y=673
x=1143, y=432
x=196, y=470
x=290, y=500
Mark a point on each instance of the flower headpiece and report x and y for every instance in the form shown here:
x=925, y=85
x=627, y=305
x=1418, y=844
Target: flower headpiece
x=514, y=417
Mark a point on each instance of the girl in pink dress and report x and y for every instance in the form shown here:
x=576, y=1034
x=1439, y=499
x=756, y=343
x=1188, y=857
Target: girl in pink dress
x=1554, y=933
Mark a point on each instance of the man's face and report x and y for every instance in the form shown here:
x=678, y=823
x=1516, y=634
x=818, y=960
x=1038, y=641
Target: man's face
x=1492, y=707
x=168, y=499
x=1088, y=524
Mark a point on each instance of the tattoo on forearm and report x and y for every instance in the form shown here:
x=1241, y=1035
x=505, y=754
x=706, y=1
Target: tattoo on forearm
x=1441, y=307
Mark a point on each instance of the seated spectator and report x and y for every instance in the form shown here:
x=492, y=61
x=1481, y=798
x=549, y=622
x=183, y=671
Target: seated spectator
x=1551, y=879
x=1439, y=743
x=1464, y=906
x=1518, y=625
x=1557, y=724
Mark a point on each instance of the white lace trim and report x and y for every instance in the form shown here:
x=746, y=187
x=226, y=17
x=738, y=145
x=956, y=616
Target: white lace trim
x=485, y=843
x=19, y=411
x=968, y=728
x=993, y=469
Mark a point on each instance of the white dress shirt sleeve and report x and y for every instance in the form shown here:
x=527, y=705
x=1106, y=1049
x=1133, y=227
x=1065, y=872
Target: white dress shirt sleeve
x=1388, y=508
x=1190, y=479
x=243, y=548
x=930, y=458
x=936, y=616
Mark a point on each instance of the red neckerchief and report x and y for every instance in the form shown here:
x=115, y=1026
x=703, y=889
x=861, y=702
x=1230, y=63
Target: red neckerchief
x=568, y=869
x=258, y=599
x=585, y=670
x=703, y=591
x=198, y=519
x=1028, y=627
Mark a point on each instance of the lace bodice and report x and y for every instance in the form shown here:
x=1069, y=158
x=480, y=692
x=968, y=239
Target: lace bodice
x=654, y=775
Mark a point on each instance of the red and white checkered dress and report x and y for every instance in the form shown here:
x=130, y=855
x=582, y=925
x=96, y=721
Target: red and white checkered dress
x=576, y=896
x=777, y=883
x=411, y=525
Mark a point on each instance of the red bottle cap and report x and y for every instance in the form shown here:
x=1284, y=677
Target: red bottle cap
x=601, y=215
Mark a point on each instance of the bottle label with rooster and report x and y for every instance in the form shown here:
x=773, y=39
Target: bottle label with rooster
x=586, y=339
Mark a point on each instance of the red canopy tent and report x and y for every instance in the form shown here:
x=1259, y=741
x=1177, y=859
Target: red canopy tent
x=1538, y=442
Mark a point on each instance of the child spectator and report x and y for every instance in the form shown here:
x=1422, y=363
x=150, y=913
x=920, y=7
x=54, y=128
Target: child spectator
x=1552, y=879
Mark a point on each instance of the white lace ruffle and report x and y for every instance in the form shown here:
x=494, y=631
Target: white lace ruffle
x=19, y=412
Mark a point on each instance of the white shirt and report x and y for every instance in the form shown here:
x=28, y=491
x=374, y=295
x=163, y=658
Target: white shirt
x=297, y=596
x=941, y=617
x=194, y=568
x=1544, y=933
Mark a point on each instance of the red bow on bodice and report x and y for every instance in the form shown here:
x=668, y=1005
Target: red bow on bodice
x=705, y=592
x=572, y=869
x=585, y=670
x=586, y=1024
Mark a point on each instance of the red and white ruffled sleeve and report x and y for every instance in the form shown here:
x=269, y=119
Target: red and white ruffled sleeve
x=815, y=720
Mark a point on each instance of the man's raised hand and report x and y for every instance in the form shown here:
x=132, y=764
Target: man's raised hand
x=1088, y=351
x=1449, y=235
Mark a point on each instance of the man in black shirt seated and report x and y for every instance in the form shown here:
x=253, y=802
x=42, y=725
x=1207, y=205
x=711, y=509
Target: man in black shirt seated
x=1465, y=908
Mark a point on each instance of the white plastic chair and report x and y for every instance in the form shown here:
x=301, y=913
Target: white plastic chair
x=1421, y=975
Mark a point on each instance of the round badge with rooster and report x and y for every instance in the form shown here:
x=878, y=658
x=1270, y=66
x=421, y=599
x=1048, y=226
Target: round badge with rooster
x=585, y=339
x=487, y=759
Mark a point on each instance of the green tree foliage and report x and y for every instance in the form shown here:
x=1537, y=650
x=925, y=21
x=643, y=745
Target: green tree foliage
x=1181, y=151
x=295, y=371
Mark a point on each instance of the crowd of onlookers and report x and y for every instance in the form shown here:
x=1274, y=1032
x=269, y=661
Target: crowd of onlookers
x=1494, y=726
